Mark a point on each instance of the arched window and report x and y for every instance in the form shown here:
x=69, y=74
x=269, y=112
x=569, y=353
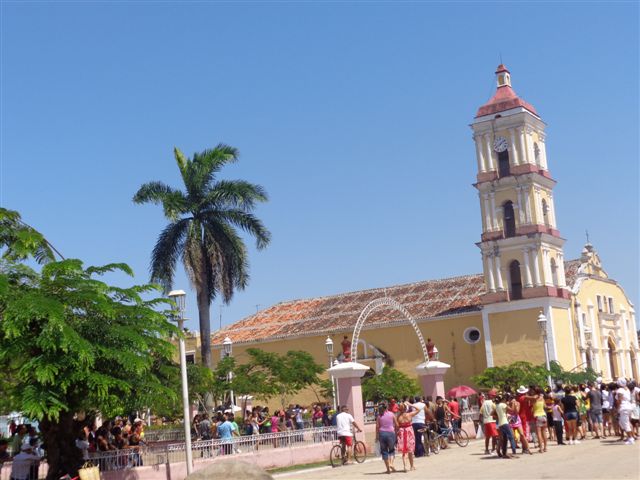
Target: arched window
x=516, y=280
x=536, y=153
x=545, y=212
x=503, y=164
x=554, y=272
x=509, y=219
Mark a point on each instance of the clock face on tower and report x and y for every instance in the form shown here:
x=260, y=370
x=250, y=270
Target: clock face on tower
x=500, y=144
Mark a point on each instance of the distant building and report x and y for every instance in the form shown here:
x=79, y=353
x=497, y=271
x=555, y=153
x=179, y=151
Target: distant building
x=487, y=319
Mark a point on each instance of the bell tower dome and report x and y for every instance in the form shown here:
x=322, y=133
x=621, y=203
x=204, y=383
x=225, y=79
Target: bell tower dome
x=520, y=243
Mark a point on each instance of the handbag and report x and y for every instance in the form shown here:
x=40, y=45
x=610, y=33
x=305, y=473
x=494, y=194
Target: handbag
x=89, y=471
x=480, y=431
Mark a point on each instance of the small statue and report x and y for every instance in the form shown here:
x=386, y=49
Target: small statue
x=430, y=348
x=346, y=349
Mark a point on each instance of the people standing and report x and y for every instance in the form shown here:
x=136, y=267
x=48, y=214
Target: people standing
x=513, y=410
x=406, y=440
x=558, y=422
x=595, y=409
x=625, y=407
x=417, y=423
x=570, y=407
x=540, y=417
x=489, y=422
x=386, y=427
x=506, y=435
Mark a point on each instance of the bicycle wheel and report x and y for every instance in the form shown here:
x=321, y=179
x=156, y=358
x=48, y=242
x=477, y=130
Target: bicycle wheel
x=359, y=452
x=335, y=456
x=443, y=441
x=462, y=438
x=434, y=443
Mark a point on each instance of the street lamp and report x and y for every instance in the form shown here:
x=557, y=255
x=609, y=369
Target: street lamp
x=542, y=325
x=179, y=297
x=329, y=345
x=227, y=348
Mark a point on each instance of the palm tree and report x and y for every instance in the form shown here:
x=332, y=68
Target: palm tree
x=203, y=230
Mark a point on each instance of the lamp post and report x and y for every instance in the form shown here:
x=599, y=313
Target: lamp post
x=179, y=296
x=227, y=348
x=329, y=345
x=542, y=325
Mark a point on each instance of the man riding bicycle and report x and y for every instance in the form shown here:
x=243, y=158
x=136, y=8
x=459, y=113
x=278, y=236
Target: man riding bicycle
x=345, y=423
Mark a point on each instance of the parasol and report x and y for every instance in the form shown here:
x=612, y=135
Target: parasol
x=461, y=391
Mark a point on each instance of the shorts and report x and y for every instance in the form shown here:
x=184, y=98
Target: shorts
x=541, y=421
x=571, y=416
x=348, y=440
x=625, y=420
x=490, y=430
x=596, y=417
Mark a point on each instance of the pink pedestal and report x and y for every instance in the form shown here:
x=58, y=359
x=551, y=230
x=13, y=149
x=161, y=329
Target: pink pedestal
x=348, y=376
x=431, y=377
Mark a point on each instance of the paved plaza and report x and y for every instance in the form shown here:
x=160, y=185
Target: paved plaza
x=592, y=459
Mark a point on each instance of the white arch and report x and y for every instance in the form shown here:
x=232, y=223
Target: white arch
x=375, y=304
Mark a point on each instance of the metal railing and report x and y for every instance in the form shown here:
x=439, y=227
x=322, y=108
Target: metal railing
x=207, y=449
x=168, y=435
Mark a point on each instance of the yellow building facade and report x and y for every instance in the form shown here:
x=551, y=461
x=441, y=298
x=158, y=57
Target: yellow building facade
x=487, y=319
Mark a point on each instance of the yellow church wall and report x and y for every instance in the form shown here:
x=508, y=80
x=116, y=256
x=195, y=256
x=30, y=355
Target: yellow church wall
x=515, y=337
x=564, y=339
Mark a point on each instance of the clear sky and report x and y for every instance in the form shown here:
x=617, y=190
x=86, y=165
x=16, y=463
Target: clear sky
x=354, y=117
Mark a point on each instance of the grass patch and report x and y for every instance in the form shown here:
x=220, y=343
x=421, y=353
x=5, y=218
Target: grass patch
x=304, y=466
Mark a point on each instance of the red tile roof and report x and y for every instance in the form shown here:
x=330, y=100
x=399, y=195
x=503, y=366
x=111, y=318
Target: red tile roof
x=505, y=98
x=339, y=313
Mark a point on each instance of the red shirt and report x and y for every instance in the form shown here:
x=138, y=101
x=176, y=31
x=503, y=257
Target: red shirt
x=526, y=413
x=454, y=408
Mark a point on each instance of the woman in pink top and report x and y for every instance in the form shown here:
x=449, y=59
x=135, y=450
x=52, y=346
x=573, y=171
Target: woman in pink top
x=386, y=426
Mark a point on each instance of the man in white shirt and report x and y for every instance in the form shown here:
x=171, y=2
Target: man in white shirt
x=23, y=462
x=344, y=423
x=417, y=422
x=625, y=407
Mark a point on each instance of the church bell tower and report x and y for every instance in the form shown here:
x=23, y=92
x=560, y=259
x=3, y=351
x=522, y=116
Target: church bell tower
x=521, y=246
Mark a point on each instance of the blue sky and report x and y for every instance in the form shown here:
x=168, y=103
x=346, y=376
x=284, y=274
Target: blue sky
x=354, y=117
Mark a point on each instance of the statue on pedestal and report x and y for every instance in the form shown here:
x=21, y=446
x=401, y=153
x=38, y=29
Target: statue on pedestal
x=346, y=349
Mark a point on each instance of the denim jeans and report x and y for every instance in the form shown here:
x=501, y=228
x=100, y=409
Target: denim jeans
x=419, y=451
x=506, y=434
x=387, y=444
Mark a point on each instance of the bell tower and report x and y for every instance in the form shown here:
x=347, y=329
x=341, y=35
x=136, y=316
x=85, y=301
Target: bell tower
x=520, y=243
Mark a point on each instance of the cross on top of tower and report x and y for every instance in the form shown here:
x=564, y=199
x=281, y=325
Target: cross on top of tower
x=505, y=97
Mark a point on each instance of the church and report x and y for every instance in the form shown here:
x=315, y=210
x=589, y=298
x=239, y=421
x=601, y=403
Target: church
x=479, y=320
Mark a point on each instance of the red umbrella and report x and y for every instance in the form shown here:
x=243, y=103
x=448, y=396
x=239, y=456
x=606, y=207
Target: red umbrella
x=461, y=391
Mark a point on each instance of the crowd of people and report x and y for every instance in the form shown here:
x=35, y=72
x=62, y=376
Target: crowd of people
x=24, y=450
x=530, y=417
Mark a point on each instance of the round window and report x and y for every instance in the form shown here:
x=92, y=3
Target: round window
x=472, y=335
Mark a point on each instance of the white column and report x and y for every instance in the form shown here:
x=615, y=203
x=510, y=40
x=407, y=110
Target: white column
x=488, y=155
x=543, y=151
x=625, y=344
x=546, y=266
x=478, y=141
x=521, y=206
x=494, y=220
x=527, y=202
x=527, y=268
x=514, y=147
x=523, y=142
x=499, y=273
x=536, y=268
x=562, y=281
x=489, y=270
x=538, y=220
x=529, y=140
x=552, y=210
x=583, y=345
x=487, y=213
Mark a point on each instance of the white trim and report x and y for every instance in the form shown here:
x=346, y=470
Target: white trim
x=488, y=349
x=551, y=333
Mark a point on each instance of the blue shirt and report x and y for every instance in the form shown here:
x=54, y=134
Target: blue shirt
x=225, y=429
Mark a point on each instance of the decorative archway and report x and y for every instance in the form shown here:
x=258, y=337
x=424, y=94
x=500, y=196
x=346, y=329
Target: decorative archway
x=369, y=309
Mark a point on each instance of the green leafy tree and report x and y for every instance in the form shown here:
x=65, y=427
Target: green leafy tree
x=391, y=383
x=71, y=343
x=203, y=230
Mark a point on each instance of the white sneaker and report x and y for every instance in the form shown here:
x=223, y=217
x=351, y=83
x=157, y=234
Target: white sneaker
x=576, y=442
x=630, y=441
x=570, y=442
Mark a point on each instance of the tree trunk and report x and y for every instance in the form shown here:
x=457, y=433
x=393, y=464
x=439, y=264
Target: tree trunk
x=60, y=444
x=205, y=328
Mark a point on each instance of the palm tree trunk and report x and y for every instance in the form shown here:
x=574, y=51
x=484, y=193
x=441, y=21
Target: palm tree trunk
x=205, y=328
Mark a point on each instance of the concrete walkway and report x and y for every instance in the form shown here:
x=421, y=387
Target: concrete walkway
x=592, y=459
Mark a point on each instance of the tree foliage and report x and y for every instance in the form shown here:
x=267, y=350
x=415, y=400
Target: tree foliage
x=202, y=232
x=71, y=343
x=525, y=373
x=391, y=383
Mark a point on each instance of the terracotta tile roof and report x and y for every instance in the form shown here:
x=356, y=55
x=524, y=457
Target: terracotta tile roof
x=337, y=313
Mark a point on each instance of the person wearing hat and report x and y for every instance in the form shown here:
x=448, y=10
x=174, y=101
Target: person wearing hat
x=489, y=422
x=625, y=407
x=23, y=463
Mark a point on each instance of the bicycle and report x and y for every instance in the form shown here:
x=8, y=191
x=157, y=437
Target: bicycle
x=338, y=454
x=430, y=439
x=456, y=433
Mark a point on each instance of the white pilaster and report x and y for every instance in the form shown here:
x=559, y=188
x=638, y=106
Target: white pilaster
x=562, y=281
x=538, y=220
x=479, y=155
x=523, y=142
x=527, y=268
x=499, y=273
x=543, y=151
x=488, y=155
x=488, y=348
x=489, y=270
x=536, y=268
x=582, y=345
x=514, y=147
x=527, y=206
x=494, y=216
x=546, y=265
x=521, y=207
x=529, y=139
x=487, y=213
x=552, y=210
